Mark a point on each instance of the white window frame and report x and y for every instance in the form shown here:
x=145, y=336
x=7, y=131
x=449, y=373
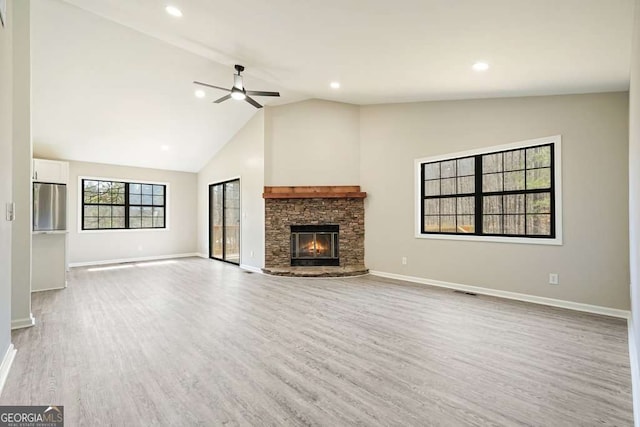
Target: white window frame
x=556, y=140
x=167, y=215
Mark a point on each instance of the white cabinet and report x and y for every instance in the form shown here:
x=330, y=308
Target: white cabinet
x=50, y=171
x=49, y=262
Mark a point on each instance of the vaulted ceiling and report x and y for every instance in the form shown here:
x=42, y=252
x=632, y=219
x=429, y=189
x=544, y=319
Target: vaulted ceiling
x=112, y=78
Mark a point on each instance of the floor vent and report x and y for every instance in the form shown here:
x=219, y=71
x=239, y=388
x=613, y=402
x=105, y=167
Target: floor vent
x=466, y=293
x=248, y=272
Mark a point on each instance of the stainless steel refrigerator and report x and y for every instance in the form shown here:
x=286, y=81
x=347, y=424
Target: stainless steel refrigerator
x=49, y=207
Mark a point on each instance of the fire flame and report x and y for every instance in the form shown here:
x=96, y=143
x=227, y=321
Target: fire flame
x=320, y=248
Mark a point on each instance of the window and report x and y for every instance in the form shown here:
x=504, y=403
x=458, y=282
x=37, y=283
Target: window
x=503, y=193
x=114, y=205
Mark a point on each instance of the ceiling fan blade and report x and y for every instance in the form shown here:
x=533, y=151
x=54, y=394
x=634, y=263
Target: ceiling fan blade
x=252, y=102
x=215, y=87
x=224, y=98
x=262, y=93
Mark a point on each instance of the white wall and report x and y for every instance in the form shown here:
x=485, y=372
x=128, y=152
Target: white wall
x=6, y=132
x=100, y=83
x=593, y=262
x=634, y=208
x=21, y=233
x=180, y=238
x=242, y=157
x=312, y=142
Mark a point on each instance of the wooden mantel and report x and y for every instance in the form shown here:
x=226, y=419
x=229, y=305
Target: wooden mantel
x=315, y=192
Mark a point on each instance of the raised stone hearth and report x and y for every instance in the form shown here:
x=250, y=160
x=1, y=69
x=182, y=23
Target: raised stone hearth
x=341, y=207
x=317, y=271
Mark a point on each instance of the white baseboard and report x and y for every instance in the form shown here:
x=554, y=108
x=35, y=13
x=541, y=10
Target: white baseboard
x=596, y=309
x=137, y=259
x=251, y=268
x=23, y=323
x=5, y=365
x=635, y=372
x=48, y=289
x=201, y=255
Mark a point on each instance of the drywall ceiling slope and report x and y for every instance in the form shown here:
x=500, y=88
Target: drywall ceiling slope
x=105, y=93
x=404, y=50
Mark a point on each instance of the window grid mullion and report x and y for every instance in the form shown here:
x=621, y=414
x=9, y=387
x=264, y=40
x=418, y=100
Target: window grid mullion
x=441, y=197
x=478, y=195
x=126, y=205
x=552, y=196
x=526, y=232
x=502, y=218
x=83, y=206
x=422, y=181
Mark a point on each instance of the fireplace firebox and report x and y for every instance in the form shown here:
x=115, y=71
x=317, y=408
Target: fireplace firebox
x=314, y=245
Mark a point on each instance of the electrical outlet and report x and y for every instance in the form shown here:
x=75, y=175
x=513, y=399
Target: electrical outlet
x=11, y=211
x=404, y=260
x=553, y=279
x=251, y=254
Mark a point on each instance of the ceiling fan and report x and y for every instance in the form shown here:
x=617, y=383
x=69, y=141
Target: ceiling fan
x=238, y=92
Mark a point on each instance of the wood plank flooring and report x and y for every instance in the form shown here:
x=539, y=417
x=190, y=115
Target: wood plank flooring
x=198, y=342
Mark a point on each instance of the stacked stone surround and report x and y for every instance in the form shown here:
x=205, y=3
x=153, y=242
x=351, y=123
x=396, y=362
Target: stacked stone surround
x=281, y=214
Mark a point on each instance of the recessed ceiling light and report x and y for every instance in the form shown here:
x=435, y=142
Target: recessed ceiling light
x=164, y=148
x=335, y=85
x=480, y=66
x=200, y=93
x=173, y=11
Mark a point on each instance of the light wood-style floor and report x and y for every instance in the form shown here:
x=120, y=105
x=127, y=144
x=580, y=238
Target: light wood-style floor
x=198, y=342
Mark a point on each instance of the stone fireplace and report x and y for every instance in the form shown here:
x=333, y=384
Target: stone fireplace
x=314, y=231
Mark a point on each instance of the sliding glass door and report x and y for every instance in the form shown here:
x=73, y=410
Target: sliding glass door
x=224, y=221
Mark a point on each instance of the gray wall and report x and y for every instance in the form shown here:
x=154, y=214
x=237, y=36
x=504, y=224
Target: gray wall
x=634, y=203
x=6, y=114
x=312, y=142
x=180, y=238
x=593, y=262
x=241, y=157
x=21, y=233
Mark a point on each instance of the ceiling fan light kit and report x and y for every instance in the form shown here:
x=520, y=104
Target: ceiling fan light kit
x=237, y=94
x=237, y=91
